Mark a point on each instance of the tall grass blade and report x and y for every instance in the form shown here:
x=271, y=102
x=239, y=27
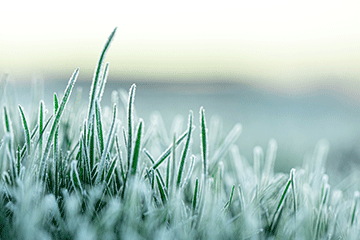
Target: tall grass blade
x=185, y=151
x=96, y=78
x=26, y=131
x=130, y=118
x=204, y=142
x=279, y=208
x=55, y=124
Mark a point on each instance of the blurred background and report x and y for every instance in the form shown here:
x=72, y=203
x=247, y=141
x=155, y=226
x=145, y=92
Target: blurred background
x=288, y=70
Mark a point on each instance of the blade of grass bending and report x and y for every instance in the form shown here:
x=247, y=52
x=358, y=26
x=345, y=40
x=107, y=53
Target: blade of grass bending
x=106, y=149
x=58, y=115
x=103, y=82
x=204, y=143
x=94, y=86
x=167, y=152
x=279, y=207
x=26, y=130
x=185, y=150
x=130, y=122
x=157, y=170
x=137, y=147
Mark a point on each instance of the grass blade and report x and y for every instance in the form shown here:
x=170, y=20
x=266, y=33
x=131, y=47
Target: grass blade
x=137, y=147
x=99, y=127
x=204, y=142
x=279, y=207
x=167, y=152
x=130, y=121
x=185, y=150
x=162, y=191
x=106, y=149
x=96, y=78
x=41, y=129
x=103, y=82
x=7, y=123
x=55, y=124
x=26, y=131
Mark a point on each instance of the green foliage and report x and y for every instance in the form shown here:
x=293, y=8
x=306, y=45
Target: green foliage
x=80, y=174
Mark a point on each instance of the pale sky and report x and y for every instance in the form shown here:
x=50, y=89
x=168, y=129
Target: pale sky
x=282, y=42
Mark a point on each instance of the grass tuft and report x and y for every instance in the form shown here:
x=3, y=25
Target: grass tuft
x=80, y=173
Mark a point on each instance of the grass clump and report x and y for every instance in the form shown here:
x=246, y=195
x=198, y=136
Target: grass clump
x=61, y=178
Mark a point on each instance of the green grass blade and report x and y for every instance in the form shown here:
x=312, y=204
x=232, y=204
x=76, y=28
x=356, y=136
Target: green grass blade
x=130, y=117
x=195, y=197
x=137, y=148
x=185, y=151
x=204, y=142
x=7, y=123
x=56, y=122
x=167, y=152
x=96, y=78
x=99, y=127
x=162, y=191
x=106, y=149
x=26, y=131
x=228, y=203
x=41, y=129
x=276, y=215
x=354, y=208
